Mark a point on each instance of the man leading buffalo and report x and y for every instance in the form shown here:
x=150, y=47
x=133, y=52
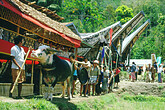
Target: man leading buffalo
x=18, y=54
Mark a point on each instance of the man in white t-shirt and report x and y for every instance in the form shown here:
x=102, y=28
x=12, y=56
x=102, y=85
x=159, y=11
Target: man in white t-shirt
x=18, y=54
x=87, y=66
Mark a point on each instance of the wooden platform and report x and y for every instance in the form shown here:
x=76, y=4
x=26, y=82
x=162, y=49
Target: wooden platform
x=27, y=89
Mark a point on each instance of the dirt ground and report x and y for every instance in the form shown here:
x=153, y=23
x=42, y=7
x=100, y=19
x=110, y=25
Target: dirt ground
x=135, y=88
x=141, y=88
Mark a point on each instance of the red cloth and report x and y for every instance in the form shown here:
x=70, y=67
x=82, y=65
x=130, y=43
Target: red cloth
x=110, y=33
x=9, y=45
x=117, y=71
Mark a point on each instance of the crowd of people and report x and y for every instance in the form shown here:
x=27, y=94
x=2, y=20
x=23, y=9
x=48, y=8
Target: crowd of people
x=150, y=71
x=100, y=78
x=103, y=80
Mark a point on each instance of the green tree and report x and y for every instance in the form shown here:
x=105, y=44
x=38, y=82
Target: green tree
x=109, y=12
x=124, y=14
x=85, y=11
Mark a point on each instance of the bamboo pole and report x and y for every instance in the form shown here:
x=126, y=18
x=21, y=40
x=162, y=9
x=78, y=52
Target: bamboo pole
x=40, y=81
x=32, y=71
x=19, y=72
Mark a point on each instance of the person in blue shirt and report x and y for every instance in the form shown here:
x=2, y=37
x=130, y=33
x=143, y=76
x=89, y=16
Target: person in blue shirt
x=74, y=67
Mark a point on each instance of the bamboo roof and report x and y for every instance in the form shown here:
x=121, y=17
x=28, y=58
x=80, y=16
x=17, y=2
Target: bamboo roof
x=94, y=38
x=49, y=13
x=131, y=39
x=43, y=18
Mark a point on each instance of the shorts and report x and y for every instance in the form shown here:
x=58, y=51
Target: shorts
x=74, y=77
x=21, y=78
x=92, y=80
x=117, y=78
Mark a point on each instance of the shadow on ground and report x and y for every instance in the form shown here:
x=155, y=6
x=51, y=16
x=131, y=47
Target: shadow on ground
x=64, y=104
x=61, y=103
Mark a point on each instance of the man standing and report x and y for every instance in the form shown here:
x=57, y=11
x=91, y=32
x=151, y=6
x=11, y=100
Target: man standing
x=18, y=54
x=74, y=75
x=160, y=70
x=86, y=65
x=94, y=77
x=133, y=68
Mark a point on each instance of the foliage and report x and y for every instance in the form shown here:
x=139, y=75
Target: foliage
x=142, y=98
x=154, y=40
x=83, y=11
x=124, y=13
x=108, y=101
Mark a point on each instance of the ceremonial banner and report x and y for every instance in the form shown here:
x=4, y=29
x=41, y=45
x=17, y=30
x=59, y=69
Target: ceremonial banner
x=158, y=60
x=153, y=58
x=110, y=33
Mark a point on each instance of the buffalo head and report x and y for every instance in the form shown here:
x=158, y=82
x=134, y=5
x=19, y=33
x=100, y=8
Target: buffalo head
x=43, y=53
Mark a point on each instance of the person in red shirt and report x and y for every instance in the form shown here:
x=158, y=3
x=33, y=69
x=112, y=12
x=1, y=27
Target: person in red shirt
x=117, y=80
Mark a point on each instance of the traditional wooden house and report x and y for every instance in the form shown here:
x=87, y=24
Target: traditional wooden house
x=130, y=40
x=101, y=38
x=37, y=25
x=126, y=29
x=96, y=39
x=84, y=44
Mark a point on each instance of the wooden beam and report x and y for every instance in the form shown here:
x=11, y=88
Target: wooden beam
x=44, y=10
x=31, y=3
x=61, y=19
x=40, y=8
x=18, y=29
x=51, y=12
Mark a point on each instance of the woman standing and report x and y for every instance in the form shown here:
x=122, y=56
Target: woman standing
x=105, y=80
x=94, y=76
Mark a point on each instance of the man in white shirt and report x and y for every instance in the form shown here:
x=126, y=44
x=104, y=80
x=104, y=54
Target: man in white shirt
x=86, y=65
x=18, y=54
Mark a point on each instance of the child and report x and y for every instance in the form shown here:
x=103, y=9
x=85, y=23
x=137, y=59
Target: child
x=117, y=80
x=147, y=74
x=110, y=81
x=128, y=70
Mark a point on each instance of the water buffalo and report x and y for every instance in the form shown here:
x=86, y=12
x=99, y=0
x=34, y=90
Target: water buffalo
x=54, y=69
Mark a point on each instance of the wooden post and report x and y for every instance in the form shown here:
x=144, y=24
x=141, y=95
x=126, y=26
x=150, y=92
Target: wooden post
x=76, y=54
x=32, y=71
x=40, y=80
x=18, y=29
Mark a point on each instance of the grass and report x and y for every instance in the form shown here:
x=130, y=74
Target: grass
x=107, y=102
